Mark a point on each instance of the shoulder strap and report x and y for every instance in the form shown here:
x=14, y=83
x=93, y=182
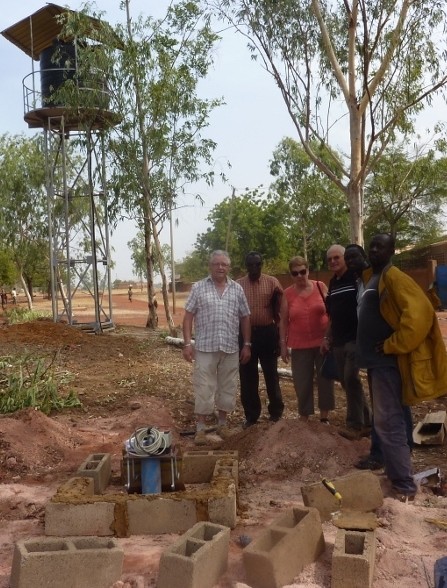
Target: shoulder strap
x=320, y=291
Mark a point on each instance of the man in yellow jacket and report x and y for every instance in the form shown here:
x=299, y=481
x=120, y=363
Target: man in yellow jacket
x=400, y=344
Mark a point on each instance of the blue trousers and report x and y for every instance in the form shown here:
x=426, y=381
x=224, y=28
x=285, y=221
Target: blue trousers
x=391, y=427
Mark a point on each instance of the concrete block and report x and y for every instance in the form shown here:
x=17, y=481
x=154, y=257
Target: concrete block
x=63, y=519
x=76, y=487
x=359, y=491
x=353, y=559
x=80, y=562
x=227, y=468
x=99, y=467
x=197, y=559
x=292, y=541
x=222, y=505
x=160, y=515
x=198, y=466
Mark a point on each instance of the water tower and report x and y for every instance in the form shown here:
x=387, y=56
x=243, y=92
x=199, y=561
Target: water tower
x=78, y=225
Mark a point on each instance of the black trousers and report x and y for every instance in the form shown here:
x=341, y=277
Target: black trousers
x=264, y=349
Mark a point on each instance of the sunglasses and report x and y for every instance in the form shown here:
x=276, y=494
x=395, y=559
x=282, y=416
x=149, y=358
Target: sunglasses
x=295, y=273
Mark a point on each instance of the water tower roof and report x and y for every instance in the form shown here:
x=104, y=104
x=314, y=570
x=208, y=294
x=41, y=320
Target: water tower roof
x=37, y=31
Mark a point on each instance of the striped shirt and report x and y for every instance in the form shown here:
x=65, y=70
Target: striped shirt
x=216, y=318
x=259, y=295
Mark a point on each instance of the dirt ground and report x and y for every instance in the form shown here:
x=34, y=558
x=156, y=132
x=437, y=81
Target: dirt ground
x=130, y=377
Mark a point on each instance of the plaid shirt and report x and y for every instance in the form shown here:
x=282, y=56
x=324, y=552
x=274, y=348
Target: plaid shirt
x=216, y=318
x=260, y=298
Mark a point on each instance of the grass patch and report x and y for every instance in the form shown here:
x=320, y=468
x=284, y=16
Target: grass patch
x=34, y=381
x=19, y=314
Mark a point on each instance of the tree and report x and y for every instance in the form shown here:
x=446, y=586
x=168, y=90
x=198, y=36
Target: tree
x=138, y=255
x=153, y=70
x=256, y=224
x=405, y=196
x=367, y=67
x=23, y=209
x=313, y=209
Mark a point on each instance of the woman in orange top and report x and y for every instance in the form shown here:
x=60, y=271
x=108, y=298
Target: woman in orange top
x=302, y=329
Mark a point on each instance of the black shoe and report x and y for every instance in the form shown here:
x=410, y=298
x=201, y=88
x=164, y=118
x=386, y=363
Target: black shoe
x=248, y=424
x=368, y=463
x=274, y=419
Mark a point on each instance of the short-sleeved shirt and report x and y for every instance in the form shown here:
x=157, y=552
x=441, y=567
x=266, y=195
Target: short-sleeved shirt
x=341, y=303
x=307, y=318
x=216, y=318
x=262, y=296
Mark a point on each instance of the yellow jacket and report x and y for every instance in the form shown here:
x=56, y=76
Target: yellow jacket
x=417, y=341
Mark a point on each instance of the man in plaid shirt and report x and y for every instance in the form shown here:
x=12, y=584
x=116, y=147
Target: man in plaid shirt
x=218, y=308
x=264, y=295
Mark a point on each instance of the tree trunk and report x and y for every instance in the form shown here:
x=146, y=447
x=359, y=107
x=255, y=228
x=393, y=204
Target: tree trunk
x=152, y=318
x=25, y=289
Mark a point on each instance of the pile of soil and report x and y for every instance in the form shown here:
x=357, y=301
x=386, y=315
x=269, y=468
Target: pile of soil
x=131, y=378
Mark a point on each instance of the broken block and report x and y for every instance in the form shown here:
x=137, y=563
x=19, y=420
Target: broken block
x=99, y=467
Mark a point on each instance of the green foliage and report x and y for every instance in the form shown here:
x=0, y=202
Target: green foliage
x=8, y=271
x=138, y=255
x=313, y=210
x=23, y=207
x=32, y=381
x=405, y=196
x=20, y=314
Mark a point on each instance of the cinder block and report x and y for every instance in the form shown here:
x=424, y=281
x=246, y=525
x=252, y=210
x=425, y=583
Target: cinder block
x=227, y=468
x=197, y=559
x=63, y=519
x=222, y=507
x=99, y=467
x=359, y=491
x=76, y=488
x=80, y=562
x=292, y=541
x=198, y=466
x=353, y=559
x=160, y=515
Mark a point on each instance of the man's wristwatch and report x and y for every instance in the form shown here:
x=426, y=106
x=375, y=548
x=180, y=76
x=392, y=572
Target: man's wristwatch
x=247, y=343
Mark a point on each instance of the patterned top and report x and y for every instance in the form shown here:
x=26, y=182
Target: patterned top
x=216, y=318
x=263, y=296
x=307, y=318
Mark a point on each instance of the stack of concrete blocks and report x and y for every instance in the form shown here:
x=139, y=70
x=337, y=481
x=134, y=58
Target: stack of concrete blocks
x=291, y=542
x=99, y=467
x=79, y=562
x=77, y=509
x=353, y=559
x=197, y=559
x=360, y=492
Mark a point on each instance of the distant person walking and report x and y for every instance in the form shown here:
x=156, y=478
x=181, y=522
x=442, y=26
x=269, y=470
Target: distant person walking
x=4, y=298
x=264, y=295
x=129, y=293
x=217, y=307
x=14, y=296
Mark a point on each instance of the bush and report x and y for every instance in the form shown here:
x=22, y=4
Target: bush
x=19, y=314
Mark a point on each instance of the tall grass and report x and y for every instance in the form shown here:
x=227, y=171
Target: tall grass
x=34, y=381
x=21, y=314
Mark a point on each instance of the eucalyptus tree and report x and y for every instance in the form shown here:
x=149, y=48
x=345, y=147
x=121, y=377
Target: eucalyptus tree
x=352, y=73
x=158, y=147
x=313, y=208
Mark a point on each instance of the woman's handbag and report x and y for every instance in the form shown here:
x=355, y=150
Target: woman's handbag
x=329, y=368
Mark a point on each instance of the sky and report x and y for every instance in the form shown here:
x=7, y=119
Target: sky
x=247, y=129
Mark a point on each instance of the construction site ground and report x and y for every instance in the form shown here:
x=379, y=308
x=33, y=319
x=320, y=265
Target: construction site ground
x=130, y=378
